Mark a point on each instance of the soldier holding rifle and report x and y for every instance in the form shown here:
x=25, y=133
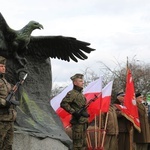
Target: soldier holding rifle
x=7, y=108
x=73, y=102
x=7, y=111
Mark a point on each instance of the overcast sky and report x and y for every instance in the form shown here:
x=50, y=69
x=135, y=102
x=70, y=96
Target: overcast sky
x=115, y=28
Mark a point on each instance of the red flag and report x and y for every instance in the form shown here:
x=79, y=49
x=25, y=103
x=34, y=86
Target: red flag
x=129, y=109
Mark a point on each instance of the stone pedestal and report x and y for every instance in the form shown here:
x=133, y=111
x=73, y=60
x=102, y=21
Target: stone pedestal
x=26, y=142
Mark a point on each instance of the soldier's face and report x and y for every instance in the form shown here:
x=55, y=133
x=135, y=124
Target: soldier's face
x=121, y=98
x=139, y=99
x=79, y=82
x=2, y=68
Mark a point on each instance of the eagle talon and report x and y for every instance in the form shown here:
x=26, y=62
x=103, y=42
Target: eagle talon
x=22, y=61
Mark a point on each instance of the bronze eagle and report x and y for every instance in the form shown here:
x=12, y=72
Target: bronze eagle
x=20, y=43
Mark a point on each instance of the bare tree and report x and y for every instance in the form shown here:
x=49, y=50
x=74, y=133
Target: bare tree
x=140, y=73
x=89, y=75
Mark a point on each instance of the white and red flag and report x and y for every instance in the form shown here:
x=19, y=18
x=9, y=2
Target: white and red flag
x=106, y=97
x=102, y=103
x=92, y=90
x=55, y=103
x=130, y=110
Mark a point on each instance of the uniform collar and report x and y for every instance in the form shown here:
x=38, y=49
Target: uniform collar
x=1, y=75
x=77, y=88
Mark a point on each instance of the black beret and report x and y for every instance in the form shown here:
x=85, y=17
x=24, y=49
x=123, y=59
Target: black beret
x=120, y=93
x=138, y=94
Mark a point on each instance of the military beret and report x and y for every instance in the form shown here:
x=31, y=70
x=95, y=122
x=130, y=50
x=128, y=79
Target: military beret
x=138, y=94
x=120, y=93
x=78, y=75
x=2, y=60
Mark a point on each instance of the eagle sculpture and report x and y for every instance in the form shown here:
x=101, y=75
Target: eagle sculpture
x=20, y=43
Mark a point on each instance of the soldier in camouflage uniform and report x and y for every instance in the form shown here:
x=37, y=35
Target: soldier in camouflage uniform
x=7, y=111
x=72, y=103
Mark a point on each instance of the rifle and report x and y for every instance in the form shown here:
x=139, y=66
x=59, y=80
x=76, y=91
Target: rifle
x=13, y=91
x=88, y=104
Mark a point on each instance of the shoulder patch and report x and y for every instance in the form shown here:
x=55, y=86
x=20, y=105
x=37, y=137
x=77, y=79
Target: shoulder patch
x=68, y=94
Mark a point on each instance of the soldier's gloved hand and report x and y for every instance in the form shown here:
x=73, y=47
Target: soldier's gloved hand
x=8, y=103
x=85, y=114
x=76, y=114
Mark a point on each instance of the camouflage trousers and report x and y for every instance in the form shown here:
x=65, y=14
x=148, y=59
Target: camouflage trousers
x=79, y=136
x=6, y=135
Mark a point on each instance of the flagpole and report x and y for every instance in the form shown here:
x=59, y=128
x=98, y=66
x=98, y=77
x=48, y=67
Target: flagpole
x=95, y=133
x=131, y=137
x=89, y=140
x=99, y=126
x=127, y=63
x=99, y=129
x=104, y=133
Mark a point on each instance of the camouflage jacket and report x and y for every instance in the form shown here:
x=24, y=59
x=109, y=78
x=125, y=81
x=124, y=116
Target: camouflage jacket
x=6, y=114
x=74, y=101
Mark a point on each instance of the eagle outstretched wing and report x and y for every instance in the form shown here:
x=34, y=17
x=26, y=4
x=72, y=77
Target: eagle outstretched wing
x=61, y=47
x=6, y=36
x=16, y=43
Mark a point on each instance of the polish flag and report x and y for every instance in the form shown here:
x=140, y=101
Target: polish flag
x=106, y=97
x=94, y=88
x=102, y=103
x=55, y=103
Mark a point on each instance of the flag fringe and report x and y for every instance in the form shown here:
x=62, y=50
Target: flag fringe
x=130, y=119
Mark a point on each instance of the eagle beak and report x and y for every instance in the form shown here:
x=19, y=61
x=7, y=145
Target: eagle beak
x=40, y=27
